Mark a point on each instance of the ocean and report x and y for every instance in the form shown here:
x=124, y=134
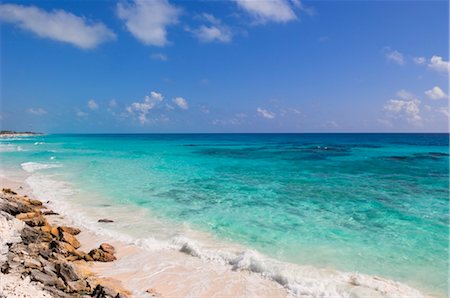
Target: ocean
x=376, y=204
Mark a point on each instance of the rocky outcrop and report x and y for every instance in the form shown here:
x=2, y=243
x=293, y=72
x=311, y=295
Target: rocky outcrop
x=49, y=254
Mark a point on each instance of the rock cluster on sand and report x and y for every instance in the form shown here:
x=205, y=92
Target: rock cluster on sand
x=49, y=254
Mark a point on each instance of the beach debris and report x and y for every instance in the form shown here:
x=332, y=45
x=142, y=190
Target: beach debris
x=105, y=220
x=48, y=254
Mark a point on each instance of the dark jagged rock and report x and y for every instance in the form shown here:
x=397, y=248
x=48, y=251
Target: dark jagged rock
x=45, y=279
x=14, y=208
x=66, y=272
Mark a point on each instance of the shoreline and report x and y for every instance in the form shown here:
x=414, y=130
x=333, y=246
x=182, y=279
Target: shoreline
x=170, y=271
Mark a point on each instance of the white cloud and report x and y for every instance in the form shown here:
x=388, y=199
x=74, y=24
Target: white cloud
x=263, y=11
x=214, y=31
x=112, y=104
x=36, y=111
x=142, y=109
x=439, y=64
x=435, y=93
x=159, y=56
x=80, y=113
x=419, y=60
x=181, y=103
x=444, y=111
x=265, y=113
x=394, y=56
x=407, y=106
x=156, y=95
x=57, y=24
x=147, y=20
x=92, y=105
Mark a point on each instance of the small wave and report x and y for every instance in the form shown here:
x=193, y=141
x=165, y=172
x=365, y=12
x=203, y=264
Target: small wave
x=38, y=143
x=32, y=167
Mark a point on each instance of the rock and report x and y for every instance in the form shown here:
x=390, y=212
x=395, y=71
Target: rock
x=70, y=230
x=24, y=216
x=54, y=231
x=105, y=220
x=103, y=291
x=87, y=258
x=101, y=256
x=46, y=229
x=32, y=263
x=9, y=191
x=80, y=286
x=58, y=293
x=37, y=221
x=50, y=212
x=64, y=249
x=50, y=269
x=47, y=280
x=66, y=272
x=35, y=202
x=108, y=248
x=29, y=235
x=14, y=208
x=66, y=237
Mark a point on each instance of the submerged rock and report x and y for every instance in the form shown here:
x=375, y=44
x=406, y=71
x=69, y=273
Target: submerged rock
x=105, y=220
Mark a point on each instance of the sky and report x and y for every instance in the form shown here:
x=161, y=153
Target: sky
x=157, y=66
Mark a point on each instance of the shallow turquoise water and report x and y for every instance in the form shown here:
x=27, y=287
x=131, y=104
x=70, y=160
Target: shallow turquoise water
x=372, y=203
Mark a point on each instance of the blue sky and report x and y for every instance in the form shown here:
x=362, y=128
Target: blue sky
x=224, y=66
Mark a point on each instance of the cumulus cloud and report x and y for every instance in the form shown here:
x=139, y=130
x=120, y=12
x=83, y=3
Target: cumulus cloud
x=142, y=109
x=36, y=111
x=159, y=56
x=279, y=11
x=265, y=113
x=394, y=56
x=435, y=93
x=438, y=64
x=92, y=105
x=57, y=25
x=405, y=105
x=148, y=20
x=213, y=31
x=181, y=103
x=419, y=60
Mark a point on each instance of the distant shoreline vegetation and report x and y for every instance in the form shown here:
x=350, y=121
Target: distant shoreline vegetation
x=8, y=133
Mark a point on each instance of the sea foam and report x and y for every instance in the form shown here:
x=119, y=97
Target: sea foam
x=32, y=167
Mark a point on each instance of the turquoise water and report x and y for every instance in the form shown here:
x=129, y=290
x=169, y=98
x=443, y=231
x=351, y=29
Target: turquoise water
x=371, y=203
